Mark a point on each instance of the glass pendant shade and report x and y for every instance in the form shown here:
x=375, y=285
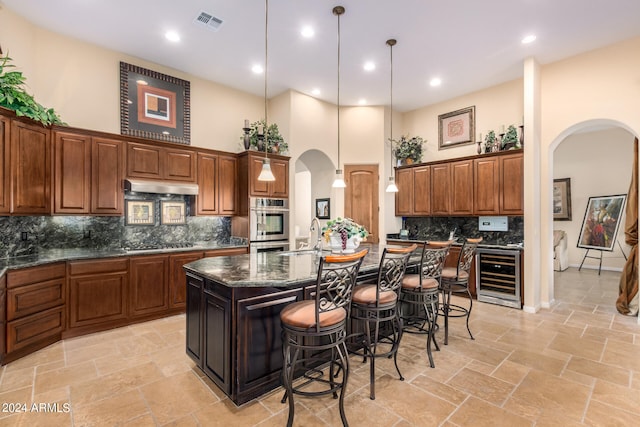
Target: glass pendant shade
x=265, y=173
x=339, y=181
x=392, y=188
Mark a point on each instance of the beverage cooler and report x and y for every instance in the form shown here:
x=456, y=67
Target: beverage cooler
x=498, y=276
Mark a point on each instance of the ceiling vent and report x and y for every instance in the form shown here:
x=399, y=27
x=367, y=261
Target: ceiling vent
x=208, y=20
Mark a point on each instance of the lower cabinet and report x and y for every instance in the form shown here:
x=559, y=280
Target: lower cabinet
x=178, y=279
x=35, y=308
x=195, y=286
x=148, y=285
x=216, y=358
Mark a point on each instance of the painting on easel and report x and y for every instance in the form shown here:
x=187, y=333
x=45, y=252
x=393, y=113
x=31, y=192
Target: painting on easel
x=601, y=222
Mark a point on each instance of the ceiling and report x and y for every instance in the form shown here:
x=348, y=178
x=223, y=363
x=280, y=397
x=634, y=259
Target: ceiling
x=468, y=44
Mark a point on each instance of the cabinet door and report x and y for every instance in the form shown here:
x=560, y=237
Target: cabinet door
x=422, y=190
x=106, y=177
x=257, y=188
x=217, y=328
x=512, y=184
x=227, y=189
x=260, y=337
x=486, y=186
x=5, y=168
x=404, y=196
x=98, y=299
x=148, y=285
x=207, y=202
x=441, y=189
x=178, y=278
x=280, y=187
x=71, y=173
x=144, y=161
x=462, y=187
x=31, y=168
x=195, y=286
x=180, y=165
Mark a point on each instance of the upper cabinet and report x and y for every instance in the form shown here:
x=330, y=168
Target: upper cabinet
x=107, y=170
x=5, y=166
x=483, y=185
x=278, y=188
x=217, y=191
x=160, y=162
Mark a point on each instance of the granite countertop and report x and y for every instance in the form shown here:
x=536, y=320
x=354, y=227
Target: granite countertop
x=484, y=244
x=273, y=269
x=56, y=255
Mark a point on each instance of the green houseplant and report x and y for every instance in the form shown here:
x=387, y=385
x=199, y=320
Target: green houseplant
x=408, y=150
x=13, y=96
x=275, y=141
x=510, y=139
x=490, y=142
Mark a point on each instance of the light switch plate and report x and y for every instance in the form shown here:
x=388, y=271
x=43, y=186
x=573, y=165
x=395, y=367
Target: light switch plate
x=493, y=223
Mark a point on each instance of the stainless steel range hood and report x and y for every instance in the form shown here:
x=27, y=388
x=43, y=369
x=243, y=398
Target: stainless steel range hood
x=160, y=187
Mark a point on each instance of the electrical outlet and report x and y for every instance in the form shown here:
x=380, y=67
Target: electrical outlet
x=24, y=236
x=87, y=234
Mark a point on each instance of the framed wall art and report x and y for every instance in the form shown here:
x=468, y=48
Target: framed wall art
x=601, y=222
x=154, y=105
x=456, y=128
x=173, y=212
x=140, y=212
x=562, y=199
x=323, y=208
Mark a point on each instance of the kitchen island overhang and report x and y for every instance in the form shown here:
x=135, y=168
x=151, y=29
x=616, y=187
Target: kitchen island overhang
x=233, y=314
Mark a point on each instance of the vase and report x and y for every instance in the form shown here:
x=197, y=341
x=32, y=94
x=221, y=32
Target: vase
x=479, y=147
x=336, y=244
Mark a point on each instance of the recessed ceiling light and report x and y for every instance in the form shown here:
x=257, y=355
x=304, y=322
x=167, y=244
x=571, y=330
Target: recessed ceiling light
x=172, y=36
x=362, y=102
x=307, y=32
x=528, y=39
x=315, y=92
x=257, y=69
x=436, y=81
x=369, y=66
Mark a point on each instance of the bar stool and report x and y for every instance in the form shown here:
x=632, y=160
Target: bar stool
x=374, y=304
x=456, y=280
x=314, y=332
x=419, y=296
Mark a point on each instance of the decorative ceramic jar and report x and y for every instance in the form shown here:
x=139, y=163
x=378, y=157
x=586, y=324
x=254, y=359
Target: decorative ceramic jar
x=336, y=244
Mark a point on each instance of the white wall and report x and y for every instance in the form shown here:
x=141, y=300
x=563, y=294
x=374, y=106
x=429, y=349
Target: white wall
x=604, y=169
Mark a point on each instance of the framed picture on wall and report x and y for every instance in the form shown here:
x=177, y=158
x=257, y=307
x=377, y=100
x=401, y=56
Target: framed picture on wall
x=601, y=222
x=323, y=208
x=173, y=212
x=456, y=128
x=562, y=199
x=140, y=212
x=154, y=105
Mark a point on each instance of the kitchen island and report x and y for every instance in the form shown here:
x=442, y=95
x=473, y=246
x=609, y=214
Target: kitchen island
x=233, y=314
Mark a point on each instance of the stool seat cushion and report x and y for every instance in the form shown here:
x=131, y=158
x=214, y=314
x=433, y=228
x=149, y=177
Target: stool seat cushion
x=366, y=295
x=412, y=282
x=451, y=273
x=302, y=314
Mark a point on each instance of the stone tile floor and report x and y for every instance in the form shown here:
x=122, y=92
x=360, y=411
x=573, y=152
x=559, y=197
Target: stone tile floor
x=576, y=364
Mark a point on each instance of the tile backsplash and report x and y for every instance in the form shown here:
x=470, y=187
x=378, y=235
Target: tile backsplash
x=438, y=228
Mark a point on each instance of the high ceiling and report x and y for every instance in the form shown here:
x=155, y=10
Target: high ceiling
x=468, y=44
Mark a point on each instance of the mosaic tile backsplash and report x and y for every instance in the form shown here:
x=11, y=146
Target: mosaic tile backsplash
x=438, y=228
x=103, y=232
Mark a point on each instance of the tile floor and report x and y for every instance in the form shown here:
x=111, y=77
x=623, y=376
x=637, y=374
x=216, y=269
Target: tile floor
x=577, y=364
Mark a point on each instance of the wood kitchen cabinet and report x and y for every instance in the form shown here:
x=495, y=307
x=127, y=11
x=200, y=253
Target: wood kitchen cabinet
x=512, y=184
x=160, y=162
x=5, y=166
x=35, y=308
x=441, y=189
x=177, y=278
x=98, y=291
x=499, y=185
x=280, y=168
x=486, y=186
x=217, y=193
x=148, y=285
x=31, y=168
x=87, y=174
x=462, y=187
x=414, y=187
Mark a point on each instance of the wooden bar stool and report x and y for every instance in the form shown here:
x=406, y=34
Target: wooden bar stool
x=456, y=280
x=314, y=332
x=419, y=296
x=375, y=304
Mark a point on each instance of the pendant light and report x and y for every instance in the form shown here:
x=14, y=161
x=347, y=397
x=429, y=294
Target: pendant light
x=339, y=180
x=265, y=173
x=391, y=188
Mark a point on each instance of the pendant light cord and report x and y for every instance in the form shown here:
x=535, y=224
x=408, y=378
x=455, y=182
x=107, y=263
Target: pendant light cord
x=338, y=10
x=266, y=56
x=391, y=43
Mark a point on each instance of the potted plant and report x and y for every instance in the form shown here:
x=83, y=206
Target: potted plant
x=408, y=150
x=275, y=141
x=14, y=97
x=344, y=234
x=510, y=139
x=490, y=142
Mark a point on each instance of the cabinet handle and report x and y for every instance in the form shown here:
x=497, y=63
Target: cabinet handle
x=270, y=303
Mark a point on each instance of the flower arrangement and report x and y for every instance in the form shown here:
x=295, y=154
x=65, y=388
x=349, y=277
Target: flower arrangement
x=408, y=148
x=275, y=141
x=346, y=227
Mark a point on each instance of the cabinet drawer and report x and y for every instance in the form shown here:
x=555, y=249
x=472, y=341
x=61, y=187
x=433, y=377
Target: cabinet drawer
x=27, y=276
x=30, y=299
x=32, y=329
x=77, y=268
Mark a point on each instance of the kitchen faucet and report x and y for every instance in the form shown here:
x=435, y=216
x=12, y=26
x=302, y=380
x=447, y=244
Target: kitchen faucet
x=315, y=226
